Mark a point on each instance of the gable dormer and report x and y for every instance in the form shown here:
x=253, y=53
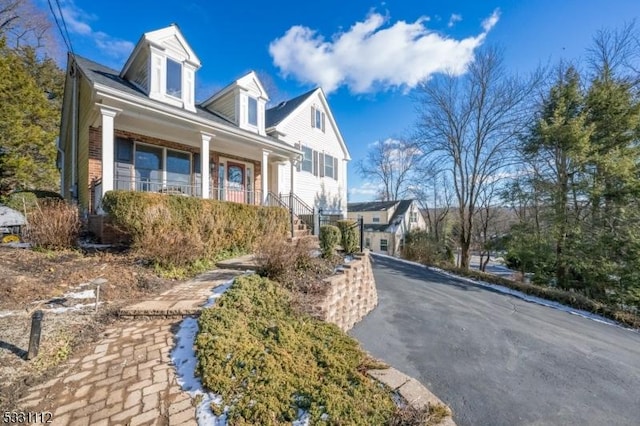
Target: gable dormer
x=164, y=66
x=242, y=102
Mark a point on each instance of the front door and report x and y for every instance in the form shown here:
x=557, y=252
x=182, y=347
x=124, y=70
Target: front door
x=235, y=182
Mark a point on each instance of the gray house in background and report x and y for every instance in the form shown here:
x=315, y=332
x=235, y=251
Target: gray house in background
x=386, y=223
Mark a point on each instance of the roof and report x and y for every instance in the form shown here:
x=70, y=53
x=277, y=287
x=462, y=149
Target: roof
x=374, y=206
x=273, y=116
x=103, y=75
x=371, y=206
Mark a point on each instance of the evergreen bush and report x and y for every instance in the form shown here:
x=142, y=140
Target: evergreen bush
x=329, y=239
x=349, y=236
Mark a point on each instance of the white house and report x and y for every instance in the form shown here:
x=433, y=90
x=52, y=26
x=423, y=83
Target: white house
x=141, y=129
x=387, y=222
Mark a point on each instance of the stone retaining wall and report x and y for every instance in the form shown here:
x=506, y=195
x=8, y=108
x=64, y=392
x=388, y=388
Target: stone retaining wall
x=351, y=295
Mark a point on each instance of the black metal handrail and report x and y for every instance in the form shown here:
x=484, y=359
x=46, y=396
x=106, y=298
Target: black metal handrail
x=299, y=208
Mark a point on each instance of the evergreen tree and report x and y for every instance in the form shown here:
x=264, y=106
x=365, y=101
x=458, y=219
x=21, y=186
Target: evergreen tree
x=29, y=120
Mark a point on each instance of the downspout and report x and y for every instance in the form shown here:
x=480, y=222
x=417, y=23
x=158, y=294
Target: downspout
x=74, y=131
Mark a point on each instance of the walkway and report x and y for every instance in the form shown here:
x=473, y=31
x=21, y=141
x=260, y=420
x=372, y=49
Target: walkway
x=128, y=377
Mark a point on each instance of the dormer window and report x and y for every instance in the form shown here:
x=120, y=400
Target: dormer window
x=174, y=78
x=252, y=117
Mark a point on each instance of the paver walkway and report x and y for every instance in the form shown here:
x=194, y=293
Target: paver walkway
x=128, y=377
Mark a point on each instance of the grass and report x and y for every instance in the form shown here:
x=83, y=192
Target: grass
x=267, y=362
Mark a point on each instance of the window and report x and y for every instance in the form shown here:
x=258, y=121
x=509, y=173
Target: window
x=375, y=219
x=317, y=118
x=178, y=170
x=148, y=165
x=367, y=242
x=329, y=170
x=124, y=151
x=307, y=160
x=383, y=245
x=253, y=112
x=174, y=78
x=413, y=217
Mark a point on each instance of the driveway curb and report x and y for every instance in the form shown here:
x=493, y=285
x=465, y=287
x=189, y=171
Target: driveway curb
x=414, y=392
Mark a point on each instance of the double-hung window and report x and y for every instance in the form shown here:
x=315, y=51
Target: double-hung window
x=384, y=244
x=174, y=78
x=252, y=117
x=317, y=118
x=329, y=166
x=307, y=160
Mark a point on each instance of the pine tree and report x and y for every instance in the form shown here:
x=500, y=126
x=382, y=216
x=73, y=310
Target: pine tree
x=28, y=120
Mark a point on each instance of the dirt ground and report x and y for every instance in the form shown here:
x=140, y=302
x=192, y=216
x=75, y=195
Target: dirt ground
x=62, y=285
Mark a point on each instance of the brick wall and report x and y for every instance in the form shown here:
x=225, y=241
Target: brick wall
x=351, y=295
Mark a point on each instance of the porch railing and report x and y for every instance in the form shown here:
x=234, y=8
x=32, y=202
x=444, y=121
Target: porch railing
x=236, y=195
x=150, y=185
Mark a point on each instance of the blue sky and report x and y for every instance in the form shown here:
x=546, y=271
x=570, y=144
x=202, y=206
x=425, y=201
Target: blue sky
x=366, y=55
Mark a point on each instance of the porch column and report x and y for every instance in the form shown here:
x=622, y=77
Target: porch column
x=204, y=163
x=293, y=169
x=265, y=175
x=108, y=115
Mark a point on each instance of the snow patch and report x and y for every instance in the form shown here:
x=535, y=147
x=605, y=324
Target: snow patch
x=184, y=359
x=515, y=293
x=87, y=294
x=77, y=307
x=7, y=314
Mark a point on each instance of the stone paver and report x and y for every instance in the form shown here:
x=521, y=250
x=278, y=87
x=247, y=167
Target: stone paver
x=185, y=299
x=128, y=378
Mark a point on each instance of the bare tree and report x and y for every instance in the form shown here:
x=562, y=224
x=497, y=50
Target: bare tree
x=470, y=124
x=390, y=163
x=23, y=24
x=433, y=192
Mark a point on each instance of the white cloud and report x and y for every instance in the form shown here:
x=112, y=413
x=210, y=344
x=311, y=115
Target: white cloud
x=372, y=56
x=78, y=23
x=491, y=21
x=453, y=19
x=367, y=189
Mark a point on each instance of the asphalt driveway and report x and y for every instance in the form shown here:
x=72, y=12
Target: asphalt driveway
x=499, y=360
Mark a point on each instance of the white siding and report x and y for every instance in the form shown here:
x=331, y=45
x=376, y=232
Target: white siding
x=321, y=192
x=226, y=106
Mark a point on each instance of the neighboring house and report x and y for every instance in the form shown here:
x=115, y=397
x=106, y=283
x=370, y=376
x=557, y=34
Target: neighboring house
x=141, y=129
x=386, y=223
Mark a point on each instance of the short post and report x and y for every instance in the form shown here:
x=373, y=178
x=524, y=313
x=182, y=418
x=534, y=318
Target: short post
x=98, y=282
x=34, y=337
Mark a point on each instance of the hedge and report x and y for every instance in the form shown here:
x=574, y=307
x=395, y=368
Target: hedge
x=178, y=231
x=329, y=239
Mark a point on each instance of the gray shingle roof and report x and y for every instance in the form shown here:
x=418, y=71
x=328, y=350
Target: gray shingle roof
x=371, y=206
x=279, y=112
x=375, y=206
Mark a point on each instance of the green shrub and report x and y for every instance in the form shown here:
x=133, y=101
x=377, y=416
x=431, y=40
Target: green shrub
x=349, y=236
x=173, y=231
x=53, y=224
x=421, y=246
x=329, y=239
x=267, y=361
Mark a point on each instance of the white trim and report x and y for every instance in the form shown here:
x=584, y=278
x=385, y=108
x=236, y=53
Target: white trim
x=156, y=106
